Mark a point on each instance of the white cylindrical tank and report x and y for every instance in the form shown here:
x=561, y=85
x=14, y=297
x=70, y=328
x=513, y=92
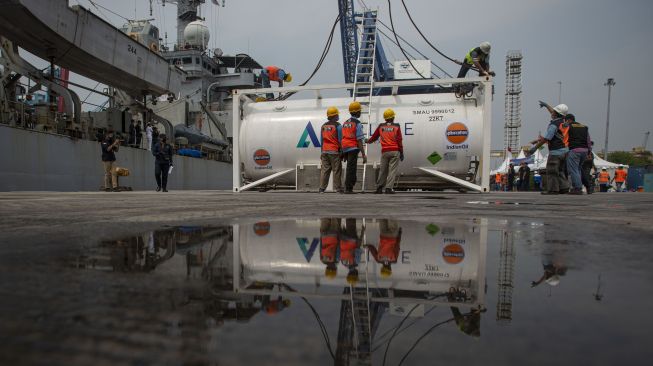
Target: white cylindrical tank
x=430, y=260
x=279, y=135
x=197, y=34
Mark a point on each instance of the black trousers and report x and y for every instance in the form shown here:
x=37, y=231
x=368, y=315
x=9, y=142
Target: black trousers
x=586, y=177
x=161, y=174
x=352, y=169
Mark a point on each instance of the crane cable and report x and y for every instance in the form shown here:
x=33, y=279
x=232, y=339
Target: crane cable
x=398, y=44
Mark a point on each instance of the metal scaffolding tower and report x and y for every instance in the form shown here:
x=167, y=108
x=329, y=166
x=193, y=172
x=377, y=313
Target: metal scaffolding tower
x=513, y=100
x=506, y=278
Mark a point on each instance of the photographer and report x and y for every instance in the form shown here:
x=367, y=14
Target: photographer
x=109, y=147
x=163, y=153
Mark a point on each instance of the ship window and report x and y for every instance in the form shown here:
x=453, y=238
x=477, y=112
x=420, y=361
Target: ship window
x=137, y=28
x=197, y=60
x=188, y=60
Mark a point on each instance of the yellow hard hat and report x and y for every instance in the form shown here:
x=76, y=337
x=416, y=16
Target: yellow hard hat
x=354, y=107
x=288, y=78
x=352, y=278
x=330, y=273
x=332, y=111
x=388, y=114
x=386, y=271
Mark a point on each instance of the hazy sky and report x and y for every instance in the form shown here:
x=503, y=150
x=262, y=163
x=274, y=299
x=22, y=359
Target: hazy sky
x=578, y=42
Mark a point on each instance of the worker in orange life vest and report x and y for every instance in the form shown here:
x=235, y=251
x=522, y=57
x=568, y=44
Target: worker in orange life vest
x=350, y=243
x=274, y=73
x=331, y=136
x=388, y=250
x=620, y=176
x=604, y=180
x=329, y=242
x=392, y=151
x=352, y=144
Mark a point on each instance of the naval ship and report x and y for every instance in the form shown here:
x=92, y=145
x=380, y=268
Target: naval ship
x=49, y=143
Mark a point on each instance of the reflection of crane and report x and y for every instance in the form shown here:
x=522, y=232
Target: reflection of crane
x=506, y=278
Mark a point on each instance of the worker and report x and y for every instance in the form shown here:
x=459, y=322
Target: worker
x=274, y=73
x=524, y=177
x=557, y=138
x=163, y=161
x=352, y=144
x=388, y=250
x=586, y=170
x=604, y=180
x=620, y=176
x=497, y=181
x=580, y=145
x=331, y=139
x=329, y=242
x=109, y=147
x=511, y=177
x=392, y=151
x=350, y=253
x=478, y=57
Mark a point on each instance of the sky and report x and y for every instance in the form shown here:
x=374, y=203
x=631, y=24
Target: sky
x=578, y=42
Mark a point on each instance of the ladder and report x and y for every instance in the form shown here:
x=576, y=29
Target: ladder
x=362, y=313
x=364, y=76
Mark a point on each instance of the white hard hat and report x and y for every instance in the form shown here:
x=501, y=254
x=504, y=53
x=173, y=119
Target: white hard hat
x=485, y=47
x=561, y=109
x=621, y=165
x=553, y=280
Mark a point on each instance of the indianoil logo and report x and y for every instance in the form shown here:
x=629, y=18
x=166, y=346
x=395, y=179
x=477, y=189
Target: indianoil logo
x=453, y=253
x=457, y=133
x=262, y=157
x=262, y=228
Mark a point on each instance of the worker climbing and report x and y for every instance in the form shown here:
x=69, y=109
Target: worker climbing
x=392, y=151
x=274, y=73
x=479, y=59
x=352, y=144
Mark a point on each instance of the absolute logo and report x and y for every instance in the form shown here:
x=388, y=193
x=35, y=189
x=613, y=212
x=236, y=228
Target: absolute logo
x=457, y=133
x=307, y=137
x=261, y=157
x=453, y=253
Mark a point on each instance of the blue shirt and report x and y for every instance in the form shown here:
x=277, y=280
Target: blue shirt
x=360, y=135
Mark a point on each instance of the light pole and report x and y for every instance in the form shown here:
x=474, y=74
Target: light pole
x=559, y=92
x=610, y=83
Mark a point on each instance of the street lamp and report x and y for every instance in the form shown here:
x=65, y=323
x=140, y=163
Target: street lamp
x=559, y=92
x=610, y=83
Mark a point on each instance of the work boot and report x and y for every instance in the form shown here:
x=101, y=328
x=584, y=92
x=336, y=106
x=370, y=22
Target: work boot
x=389, y=191
x=116, y=189
x=165, y=190
x=349, y=191
x=576, y=192
x=379, y=190
x=321, y=190
x=158, y=188
x=549, y=193
x=341, y=191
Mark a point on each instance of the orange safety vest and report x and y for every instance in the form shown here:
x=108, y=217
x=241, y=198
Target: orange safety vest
x=604, y=177
x=388, y=134
x=328, y=247
x=330, y=140
x=388, y=249
x=273, y=73
x=348, y=251
x=620, y=175
x=349, y=133
x=497, y=178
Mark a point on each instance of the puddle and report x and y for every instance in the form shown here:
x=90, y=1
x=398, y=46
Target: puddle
x=332, y=291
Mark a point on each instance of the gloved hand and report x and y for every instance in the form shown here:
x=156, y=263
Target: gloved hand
x=542, y=104
x=401, y=156
x=492, y=73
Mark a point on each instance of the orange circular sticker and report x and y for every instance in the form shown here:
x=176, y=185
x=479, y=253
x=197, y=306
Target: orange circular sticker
x=262, y=228
x=453, y=253
x=262, y=157
x=457, y=133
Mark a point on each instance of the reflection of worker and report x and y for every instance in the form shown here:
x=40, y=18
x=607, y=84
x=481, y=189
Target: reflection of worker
x=331, y=136
x=273, y=73
x=552, y=273
x=620, y=176
x=604, y=180
x=557, y=138
x=478, y=57
x=388, y=250
x=392, y=151
x=329, y=240
x=272, y=307
x=350, y=243
x=469, y=323
x=352, y=143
